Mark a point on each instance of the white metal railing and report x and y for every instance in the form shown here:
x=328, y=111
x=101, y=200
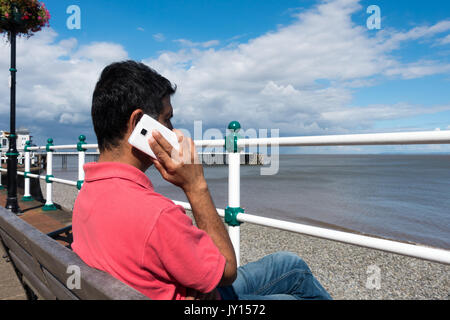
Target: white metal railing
x=234, y=215
x=400, y=138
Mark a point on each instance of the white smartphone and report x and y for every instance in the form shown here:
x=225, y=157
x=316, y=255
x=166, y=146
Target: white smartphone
x=143, y=131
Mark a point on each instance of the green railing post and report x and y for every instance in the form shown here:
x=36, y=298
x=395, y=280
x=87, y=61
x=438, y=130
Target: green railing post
x=1, y=166
x=234, y=194
x=27, y=195
x=49, y=205
x=81, y=160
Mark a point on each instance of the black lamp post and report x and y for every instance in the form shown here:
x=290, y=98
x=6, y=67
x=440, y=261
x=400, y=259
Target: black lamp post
x=11, y=202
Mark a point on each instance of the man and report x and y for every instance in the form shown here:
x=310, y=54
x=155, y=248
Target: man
x=123, y=227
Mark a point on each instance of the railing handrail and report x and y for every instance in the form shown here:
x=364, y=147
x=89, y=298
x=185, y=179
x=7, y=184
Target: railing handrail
x=392, y=138
x=57, y=147
x=399, y=138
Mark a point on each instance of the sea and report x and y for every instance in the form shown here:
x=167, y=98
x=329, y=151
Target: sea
x=399, y=197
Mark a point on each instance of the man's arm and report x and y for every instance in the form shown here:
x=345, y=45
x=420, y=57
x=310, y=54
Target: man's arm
x=207, y=219
x=184, y=170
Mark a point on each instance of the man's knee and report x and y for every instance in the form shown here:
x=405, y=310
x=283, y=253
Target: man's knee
x=290, y=260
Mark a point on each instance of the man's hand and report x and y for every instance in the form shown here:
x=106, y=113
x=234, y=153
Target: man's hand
x=179, y=168
x=192, y=294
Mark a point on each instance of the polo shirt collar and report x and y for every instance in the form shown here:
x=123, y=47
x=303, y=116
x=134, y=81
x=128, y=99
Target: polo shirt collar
x=107, y=170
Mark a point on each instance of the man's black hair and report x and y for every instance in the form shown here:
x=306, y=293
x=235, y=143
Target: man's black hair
x=124, y=87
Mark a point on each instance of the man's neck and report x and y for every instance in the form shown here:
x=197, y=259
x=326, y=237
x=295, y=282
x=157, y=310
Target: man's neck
x=124, y=155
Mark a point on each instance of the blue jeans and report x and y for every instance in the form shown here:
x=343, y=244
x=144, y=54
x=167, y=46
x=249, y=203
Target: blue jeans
x=279, y=276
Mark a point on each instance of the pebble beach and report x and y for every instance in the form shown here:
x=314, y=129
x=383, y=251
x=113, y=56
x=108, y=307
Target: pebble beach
x=346, y=271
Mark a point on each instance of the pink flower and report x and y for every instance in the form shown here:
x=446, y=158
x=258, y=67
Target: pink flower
x=6, y=14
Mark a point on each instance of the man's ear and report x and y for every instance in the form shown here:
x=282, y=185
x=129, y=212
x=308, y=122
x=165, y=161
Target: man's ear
x=134, y=119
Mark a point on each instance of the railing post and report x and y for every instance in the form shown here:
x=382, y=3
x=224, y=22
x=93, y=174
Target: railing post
x=27, y=195
x=49, y=206
x=81, y=160
x=1, y=165
x=234, y=185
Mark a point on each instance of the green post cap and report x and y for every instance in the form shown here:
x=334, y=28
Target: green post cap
x=82, y=140
x=234, y=126
x=49, y=144
x=27, y=144
x=232, y=138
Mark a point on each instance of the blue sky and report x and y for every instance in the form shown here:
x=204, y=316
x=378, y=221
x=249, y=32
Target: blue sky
x=303, y=67
x=118, y=21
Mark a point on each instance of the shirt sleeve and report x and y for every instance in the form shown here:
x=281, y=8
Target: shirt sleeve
x=186, y=252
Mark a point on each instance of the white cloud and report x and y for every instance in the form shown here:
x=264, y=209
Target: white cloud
x=55, y=79
x=74, y=118
x=395, y=39
x=159, y=37
x=445, y=40
x=189, y=43
x=99, y=52
x=418, y=69
x=365, y=117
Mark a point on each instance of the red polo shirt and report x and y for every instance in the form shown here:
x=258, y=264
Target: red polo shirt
x=123, y=227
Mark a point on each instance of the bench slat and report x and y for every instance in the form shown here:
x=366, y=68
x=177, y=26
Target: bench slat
x=21, y=254
x=34, y=282
x=7, y=223
x=58, y=288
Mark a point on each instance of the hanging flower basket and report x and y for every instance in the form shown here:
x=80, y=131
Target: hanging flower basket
x=24, y=17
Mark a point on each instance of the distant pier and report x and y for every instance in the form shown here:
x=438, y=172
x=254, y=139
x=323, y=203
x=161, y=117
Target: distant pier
x=208, y=159
x=249, y=159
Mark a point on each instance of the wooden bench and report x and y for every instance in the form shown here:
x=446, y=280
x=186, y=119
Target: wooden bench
x=46, y=268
